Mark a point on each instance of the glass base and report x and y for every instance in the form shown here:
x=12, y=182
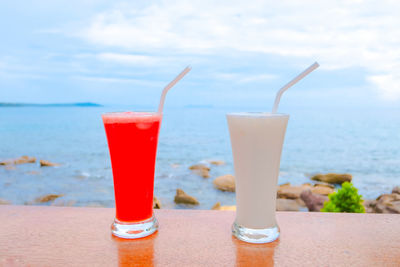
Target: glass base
x=132, y=230
x=249, y=235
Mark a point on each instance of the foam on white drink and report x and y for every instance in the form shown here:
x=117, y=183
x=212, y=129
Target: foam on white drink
x=131, y=117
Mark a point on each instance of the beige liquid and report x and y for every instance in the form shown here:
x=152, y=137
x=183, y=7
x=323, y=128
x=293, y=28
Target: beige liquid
x=257, y=140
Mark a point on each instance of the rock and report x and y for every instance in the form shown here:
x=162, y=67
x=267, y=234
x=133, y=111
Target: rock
x=394, y=207
x=25, y=159
x=217, y=206
x=314, y=202
x=203, y=173
x=182, y=198
x=387, y=198
x=322, y=189
x=217, y=162
x=289, y=191
x=156, y=203
x=386, y=203
x=300, y=202
x=4, y=202
x=201, y=169
x=225, y=183
x=7, y=162
x=46, y=163
x=283, y=204
x=369, y=205
x=10, y=167
x=228, y=208
x=47, y=198
x=21, y=160
x=396, y=190
x=379, y=209
x=333, y=178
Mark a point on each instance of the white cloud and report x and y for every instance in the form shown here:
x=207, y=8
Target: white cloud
x=244, y=78
x=48, y=31
x=118, y=80
x=389, y=85
x=339, y=34
x=14, y=71
x=130, y=59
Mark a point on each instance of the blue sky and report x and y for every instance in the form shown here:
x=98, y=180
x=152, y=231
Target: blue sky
x=125, y=52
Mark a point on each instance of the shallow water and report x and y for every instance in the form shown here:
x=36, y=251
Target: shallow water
x=361, y=142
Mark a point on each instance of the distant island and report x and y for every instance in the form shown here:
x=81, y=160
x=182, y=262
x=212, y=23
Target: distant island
x=83, y=104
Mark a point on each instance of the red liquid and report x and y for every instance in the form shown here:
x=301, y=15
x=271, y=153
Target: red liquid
x=132, y=141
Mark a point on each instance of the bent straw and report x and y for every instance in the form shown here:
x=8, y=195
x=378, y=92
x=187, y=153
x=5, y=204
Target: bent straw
x=291, y=83
x=170, y=85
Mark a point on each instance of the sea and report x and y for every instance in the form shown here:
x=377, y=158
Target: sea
x=363, y=142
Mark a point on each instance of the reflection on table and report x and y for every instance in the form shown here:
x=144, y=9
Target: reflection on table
x=254, y=254
x=135, y=252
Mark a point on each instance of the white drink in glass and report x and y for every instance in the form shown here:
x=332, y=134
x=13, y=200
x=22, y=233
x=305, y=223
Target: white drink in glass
x=257, y=140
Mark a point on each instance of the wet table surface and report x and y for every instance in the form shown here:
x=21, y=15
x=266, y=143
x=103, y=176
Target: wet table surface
x=66, y=236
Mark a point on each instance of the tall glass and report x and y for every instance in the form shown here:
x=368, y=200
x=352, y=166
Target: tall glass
x=256, y=140
x=132, y=141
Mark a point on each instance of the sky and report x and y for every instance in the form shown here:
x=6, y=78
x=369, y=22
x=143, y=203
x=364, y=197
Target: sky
x=241, y=53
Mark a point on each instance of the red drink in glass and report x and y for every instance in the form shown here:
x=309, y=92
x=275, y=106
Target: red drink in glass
x=132, y=141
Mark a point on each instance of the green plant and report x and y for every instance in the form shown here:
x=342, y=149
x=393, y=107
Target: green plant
x=345, y=199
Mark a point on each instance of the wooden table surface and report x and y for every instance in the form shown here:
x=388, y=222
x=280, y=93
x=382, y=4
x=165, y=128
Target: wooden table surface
x=66, y=236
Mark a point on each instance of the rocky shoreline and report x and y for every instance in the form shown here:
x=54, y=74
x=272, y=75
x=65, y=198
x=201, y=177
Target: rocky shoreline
x=305, y=197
